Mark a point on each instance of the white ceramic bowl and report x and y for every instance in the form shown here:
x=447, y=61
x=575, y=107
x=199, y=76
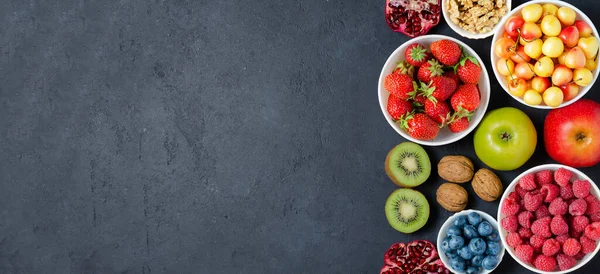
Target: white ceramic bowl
x=445, y=136
x=500, y=31
x=448, y=223
x=576, y=174
x=465, y=33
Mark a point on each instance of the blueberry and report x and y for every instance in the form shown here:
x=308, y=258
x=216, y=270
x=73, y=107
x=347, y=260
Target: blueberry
x=485, y=228
x=456, y=242
x=476, y=261
x=465, y=253
x=452, y=255
x=474, y=218
x=458, y=264
x=493, y=248
x=454, y=230
x=460, y=221
x=470, y=232
x=472, y=270
x=477, y=246
x=489, y=262
x=445, y=246
x=494, y=237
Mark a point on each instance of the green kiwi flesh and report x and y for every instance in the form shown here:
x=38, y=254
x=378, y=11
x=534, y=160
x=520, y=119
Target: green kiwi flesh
x=407, y=210
x=408, y=165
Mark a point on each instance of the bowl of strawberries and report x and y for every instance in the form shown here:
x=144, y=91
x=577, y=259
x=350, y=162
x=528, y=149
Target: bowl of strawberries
x=434, y=90
x=550, y=219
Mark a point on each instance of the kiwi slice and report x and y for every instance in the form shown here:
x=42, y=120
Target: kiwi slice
x=407, y=210
x=408, y=165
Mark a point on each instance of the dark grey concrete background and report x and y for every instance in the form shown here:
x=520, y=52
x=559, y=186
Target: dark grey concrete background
x=204, y=137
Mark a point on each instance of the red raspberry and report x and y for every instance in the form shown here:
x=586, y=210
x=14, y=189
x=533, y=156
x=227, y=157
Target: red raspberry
x=581, y=189
x=559, y=226
x=531, y=201
x=513, y=239
x=525, y=233
x=579, y=223
x=544, y=263
x=562, y=238
x=593, y=205
x=595, y=217
x=550, y=192
x=514, y=196
x=544, y=177
x=558, y=207
x=575, y=234
x=571, y=247
x=542, y=212
x=527, y=182
x=524, y=253
x=566, y=192
x=520, y=190
x=537, y=241
x=541, y=227
x=578, y=207
x=550, y=247
x=510, y=207
x=565, y=262
x=510, y=223
x=587, y=245
x=562, y=176
x=525, y=218
x=592, y=231
x=579, y=256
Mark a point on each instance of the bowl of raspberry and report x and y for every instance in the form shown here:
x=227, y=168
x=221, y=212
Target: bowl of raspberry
x=550, y=219
x=434, y=90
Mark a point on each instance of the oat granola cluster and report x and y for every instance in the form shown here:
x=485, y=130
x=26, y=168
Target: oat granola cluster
x=476, y=16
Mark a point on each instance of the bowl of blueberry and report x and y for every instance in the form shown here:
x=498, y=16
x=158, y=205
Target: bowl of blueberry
x=469, y=242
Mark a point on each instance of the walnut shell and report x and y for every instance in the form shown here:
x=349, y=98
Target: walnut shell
x=456, y=169
x=452, y=197
x=487, y=185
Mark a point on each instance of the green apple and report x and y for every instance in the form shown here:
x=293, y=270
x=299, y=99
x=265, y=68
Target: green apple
x=505, y=139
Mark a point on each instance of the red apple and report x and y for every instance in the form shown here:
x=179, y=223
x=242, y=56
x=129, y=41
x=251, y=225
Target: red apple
x=569, y=90
x=584, y=29
x=572, y=134
x=513, y=25
x=569, y=36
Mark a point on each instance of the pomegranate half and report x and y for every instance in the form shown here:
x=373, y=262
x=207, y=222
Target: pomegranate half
x=412, y=17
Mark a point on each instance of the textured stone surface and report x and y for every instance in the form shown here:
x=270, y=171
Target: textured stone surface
x=203, y=137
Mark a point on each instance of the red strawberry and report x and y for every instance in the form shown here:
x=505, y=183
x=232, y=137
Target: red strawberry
x=469, y=70
x=446, y=51
x=565, y=262
x=420, y=99
x=404, y=67
x=459, y=125
x=397, y=107
x=400, y=85
x=430, y=69
x=452, y=75
x=440, y=88
x=544, y=263
x=420, y=126
x=439, y=112
x=416, y=54
x=465, y=97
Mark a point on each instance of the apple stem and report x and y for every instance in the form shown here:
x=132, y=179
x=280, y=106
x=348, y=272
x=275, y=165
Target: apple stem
x=505, y=136
x=580, y=136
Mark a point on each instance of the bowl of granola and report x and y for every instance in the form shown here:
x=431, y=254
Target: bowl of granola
x=475, y=19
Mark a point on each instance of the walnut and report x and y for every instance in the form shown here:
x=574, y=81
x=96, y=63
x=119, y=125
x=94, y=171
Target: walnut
x=456, y=169
x=487, y=185
x=476, y=16
x=452, y=197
